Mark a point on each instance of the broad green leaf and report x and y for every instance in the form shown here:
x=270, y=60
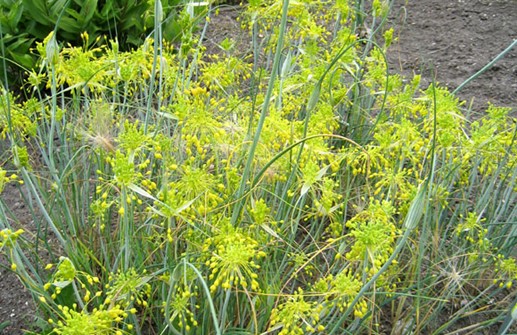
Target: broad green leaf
x=88, y=10
x=70, y=26
x=15, y=14
x=38, y=11
x=58, y=6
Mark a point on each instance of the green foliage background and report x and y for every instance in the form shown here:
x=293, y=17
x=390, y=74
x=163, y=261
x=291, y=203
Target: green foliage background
x=24, y=22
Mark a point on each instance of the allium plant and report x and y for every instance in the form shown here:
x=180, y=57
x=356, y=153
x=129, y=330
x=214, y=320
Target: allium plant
x=296, y=187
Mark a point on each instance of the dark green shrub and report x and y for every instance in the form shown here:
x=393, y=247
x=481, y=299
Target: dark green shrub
x=23, y=22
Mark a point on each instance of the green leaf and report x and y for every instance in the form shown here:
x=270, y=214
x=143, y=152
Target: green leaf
x=70, y=26
x=87, y=11
x=4, y=325
x=107, y=10
x=15, y=14
x=62, y=284
x=169, y=116
x=57, y=6
x=24, y=60
x=37, y=11
x=141, y=191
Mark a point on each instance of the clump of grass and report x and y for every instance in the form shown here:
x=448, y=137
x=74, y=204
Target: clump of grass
x=189, y=193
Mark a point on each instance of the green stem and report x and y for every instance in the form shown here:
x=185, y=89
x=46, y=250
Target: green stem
x=208, y=296
x=265, y=107
x=412, y=219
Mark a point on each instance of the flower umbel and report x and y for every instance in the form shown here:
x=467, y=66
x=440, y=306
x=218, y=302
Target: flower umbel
x=232, y=261
x=297, y=316
x=99, y=321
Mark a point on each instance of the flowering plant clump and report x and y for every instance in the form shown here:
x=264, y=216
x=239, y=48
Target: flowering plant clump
x=297, y=187
x=233, y=260
x=97, y=322
x=297, y=316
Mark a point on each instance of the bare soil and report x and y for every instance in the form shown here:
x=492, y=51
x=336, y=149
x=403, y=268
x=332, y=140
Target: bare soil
x=448, y=40
x=17, y=309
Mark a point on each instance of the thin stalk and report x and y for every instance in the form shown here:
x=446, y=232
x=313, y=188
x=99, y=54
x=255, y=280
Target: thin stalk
x=158, y=15
x=311, y=104
x=423, y=237
x=510, y=318
x=208, y=296
x=265, y=108
x=224, y=309
x=42, y=208
x=412, y=219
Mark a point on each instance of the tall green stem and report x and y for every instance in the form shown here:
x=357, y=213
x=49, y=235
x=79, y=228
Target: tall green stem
x=265, y=108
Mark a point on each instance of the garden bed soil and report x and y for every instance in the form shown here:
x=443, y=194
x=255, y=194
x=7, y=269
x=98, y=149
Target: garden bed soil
x=445, y=40
x=450, y=40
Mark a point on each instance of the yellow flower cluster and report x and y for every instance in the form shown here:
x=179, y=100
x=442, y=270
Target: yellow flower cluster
x=8, y=237
x=297, y=316
x=100, y=321
x=128, y=288
x=232, y=260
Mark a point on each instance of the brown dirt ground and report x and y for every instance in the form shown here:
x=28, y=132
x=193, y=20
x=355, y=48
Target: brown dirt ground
x=446, y=39
x=452, y=40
